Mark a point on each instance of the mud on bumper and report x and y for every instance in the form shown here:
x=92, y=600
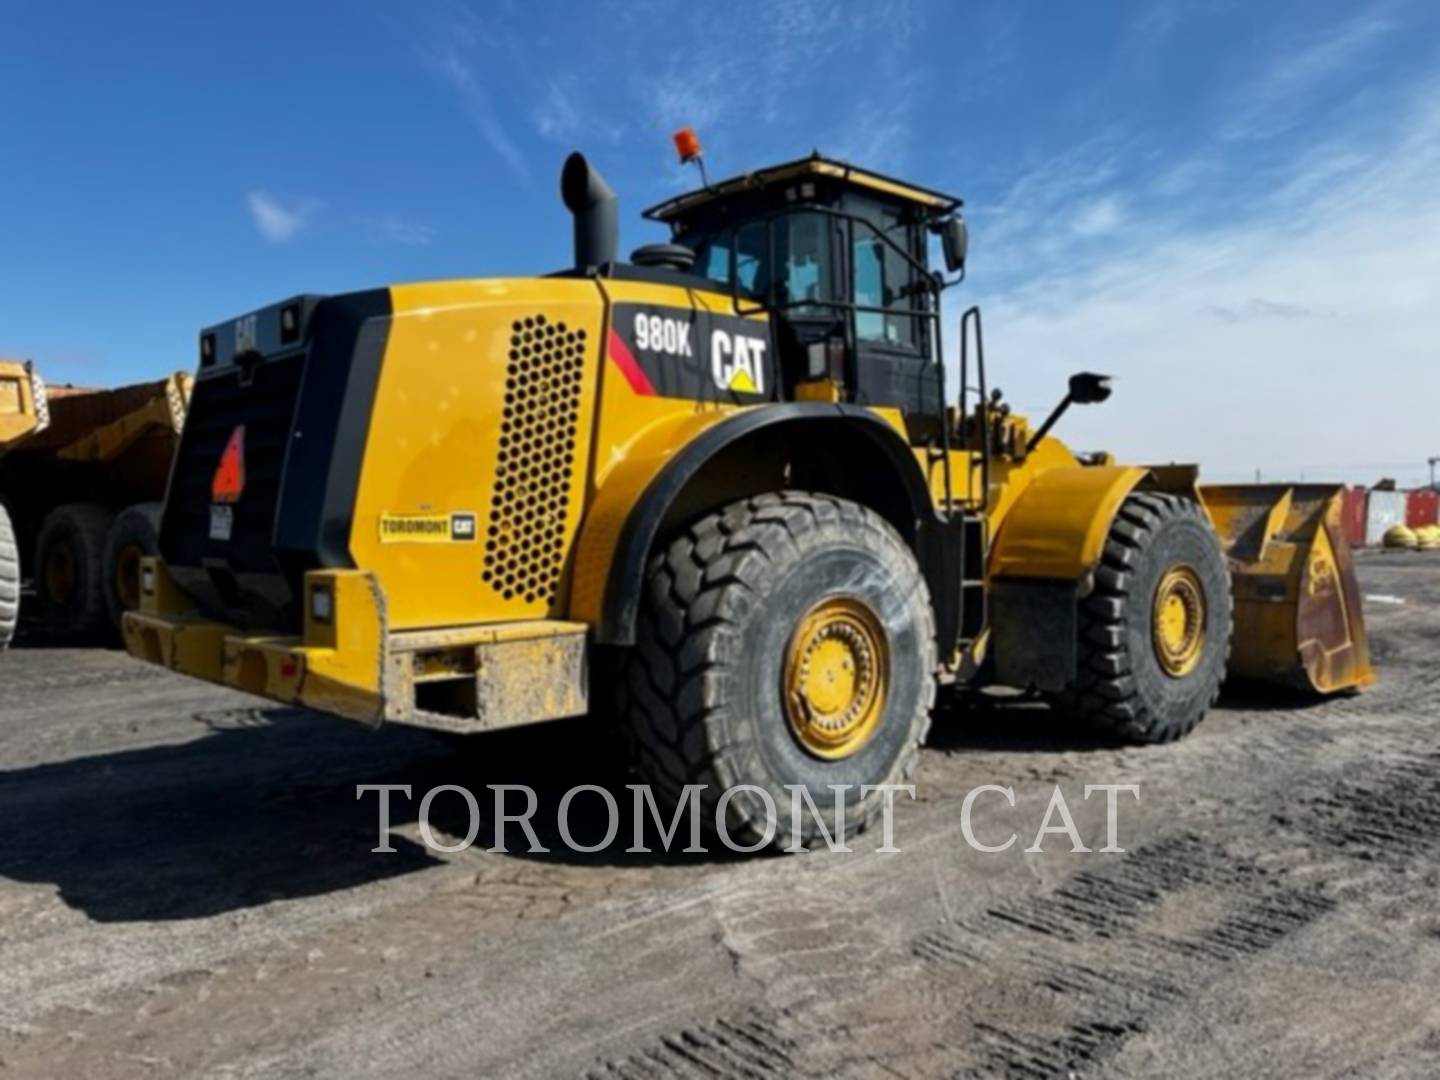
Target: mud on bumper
x=465, y=678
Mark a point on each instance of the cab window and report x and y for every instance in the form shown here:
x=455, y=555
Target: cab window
x=881, y=277
x=799, y=243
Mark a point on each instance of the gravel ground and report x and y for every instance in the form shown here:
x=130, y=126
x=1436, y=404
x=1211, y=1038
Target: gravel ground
x=187, y=889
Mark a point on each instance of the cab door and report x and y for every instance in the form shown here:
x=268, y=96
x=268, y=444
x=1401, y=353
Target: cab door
x=894, y=363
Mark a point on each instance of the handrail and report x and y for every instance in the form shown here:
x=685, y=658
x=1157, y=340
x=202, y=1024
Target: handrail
x=982, y=412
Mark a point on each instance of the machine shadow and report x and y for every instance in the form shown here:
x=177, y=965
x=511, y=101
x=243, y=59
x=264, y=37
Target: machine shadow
x=36, y=636
x=264, y=807
x=1265, y=697
x=976, y=721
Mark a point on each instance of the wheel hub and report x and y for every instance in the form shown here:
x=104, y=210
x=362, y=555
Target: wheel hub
x=836, y=677
x=1178, y=627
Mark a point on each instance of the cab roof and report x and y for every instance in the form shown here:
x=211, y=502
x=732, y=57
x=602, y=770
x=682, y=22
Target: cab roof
x=815, y=165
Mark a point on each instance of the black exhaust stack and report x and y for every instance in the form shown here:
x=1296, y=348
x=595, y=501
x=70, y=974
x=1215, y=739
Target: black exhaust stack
x=596, y=210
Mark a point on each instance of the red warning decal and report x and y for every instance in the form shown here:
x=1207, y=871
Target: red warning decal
x=629, y=367
x=229, y=480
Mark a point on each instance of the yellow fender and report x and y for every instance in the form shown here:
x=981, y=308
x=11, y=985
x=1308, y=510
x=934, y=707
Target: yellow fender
x=654, y=476
x=1048, y=541
x=1056, y=529
x=611, y=505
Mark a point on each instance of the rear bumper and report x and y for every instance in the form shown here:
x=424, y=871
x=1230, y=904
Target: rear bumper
x=320, y=669
x=467, y=678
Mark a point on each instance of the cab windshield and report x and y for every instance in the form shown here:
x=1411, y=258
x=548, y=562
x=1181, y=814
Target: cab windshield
x=783, y=261
x=796, y=261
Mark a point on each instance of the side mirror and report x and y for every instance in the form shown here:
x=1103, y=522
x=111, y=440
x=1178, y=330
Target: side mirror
x=1087, y=388
x=954, y=242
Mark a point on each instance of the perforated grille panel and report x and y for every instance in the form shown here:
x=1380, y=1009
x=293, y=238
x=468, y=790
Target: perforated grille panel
x=524, y=548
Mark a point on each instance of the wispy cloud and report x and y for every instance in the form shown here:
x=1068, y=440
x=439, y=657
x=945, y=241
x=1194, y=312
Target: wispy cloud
x=1098, y=217
x=1299, y=328
x=398, y=231
x=744, y=79
x=737, y=78
x=1275, y=99
x=1257, y=307
x=456, y=71
x=560, y=113
x=277, y=219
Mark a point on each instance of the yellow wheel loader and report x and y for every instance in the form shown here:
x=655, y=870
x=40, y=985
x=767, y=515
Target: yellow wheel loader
x=82, y=476
x=723, y=480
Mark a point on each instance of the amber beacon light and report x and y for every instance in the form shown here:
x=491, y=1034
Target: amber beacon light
x=687, y=145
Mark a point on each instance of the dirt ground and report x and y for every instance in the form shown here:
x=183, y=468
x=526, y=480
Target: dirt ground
x=187, y=889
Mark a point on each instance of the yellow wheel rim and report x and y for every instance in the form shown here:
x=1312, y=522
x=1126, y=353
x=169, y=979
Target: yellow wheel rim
x=1179, y=621
x=837, y=677
x=127, y=576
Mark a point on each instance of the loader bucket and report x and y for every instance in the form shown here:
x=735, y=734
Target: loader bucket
x=1298, y=619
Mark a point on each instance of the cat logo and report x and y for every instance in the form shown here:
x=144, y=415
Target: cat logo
x=245, y=333
x=738, y=362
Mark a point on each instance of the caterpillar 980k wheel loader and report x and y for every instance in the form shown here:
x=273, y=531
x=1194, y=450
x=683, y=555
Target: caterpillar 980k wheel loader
x=729, y=465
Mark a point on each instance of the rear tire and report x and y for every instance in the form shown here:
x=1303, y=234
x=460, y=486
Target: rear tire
x=134, y=535
x=1142, y=678
x=745, y=614
x=9, y=580
x=70, y=571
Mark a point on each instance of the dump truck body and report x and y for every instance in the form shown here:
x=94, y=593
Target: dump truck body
x=73, y=464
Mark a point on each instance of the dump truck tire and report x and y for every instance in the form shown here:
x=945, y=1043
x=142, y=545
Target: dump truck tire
x=70, y=565
x=1155, y=630
x=134, y=534
x=725, y=685
x=9, y=580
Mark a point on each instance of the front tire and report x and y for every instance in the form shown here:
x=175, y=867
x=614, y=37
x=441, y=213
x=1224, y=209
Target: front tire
x=785, y=640
x=1155, y=631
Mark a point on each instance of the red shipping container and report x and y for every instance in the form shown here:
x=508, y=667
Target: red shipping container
x=1352, y=515
x=1422, y=508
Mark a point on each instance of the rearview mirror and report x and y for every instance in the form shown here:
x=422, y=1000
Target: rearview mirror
x=954, y=241
x=1087, y=388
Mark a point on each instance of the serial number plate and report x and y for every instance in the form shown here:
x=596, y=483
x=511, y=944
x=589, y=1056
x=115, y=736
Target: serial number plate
x=222, y=522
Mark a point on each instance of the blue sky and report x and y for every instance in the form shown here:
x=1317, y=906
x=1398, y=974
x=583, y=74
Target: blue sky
x=1233, y=207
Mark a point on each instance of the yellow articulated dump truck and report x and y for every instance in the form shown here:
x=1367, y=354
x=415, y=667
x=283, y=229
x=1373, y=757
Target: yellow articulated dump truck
x=82, y=476
x=723, y=481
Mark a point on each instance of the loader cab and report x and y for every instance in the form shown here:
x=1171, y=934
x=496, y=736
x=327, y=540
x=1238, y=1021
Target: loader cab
x=839, y=258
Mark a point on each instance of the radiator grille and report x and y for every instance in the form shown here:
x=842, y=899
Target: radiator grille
x=524, y=546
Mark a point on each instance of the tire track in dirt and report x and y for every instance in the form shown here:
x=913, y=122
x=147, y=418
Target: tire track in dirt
x=1112, y=950
x=749, y=1045
x=1391, y=813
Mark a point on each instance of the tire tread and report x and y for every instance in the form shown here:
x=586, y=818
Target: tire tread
x=9, y=580
x=673, y=681
x=1105, y=693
